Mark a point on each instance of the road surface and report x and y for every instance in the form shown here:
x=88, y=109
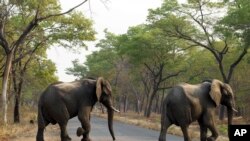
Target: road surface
x=123, y=132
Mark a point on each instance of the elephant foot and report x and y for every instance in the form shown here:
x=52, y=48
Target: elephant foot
x=80, y=131
x=162, y=139
x=162, y=136
x=86, y=139
x=67, y=138
x=39, y=139
x=211, y=139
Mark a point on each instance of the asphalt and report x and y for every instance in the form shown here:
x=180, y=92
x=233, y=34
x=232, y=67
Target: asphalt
x=123, y=132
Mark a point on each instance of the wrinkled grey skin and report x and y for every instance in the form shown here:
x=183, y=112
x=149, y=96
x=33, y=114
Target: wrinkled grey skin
x=63, y=101
x=187, y=103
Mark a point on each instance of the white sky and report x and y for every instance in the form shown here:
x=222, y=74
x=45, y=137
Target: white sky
x=116, y=16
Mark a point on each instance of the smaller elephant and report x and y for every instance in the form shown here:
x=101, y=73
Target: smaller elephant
x=63, y=101
x=186, y=103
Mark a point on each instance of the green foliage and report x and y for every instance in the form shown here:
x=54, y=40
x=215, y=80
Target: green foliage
x=101, y=63
x=37, y=78
x=68, y=30
x=78, y=70
x=191, y=37
x=72, y=30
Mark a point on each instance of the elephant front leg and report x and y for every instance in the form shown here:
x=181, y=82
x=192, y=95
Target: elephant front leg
x=81, y=132
x=214, y=135
x=84, y=131
x=203, y=130
x=203, y=133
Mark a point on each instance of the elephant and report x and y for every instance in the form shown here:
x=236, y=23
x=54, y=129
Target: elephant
x=62, y=101
x=186, y=103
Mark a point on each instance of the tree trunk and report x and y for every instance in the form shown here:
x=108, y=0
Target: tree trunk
x=18, y=87
x=142, y=104
x=125, y=104
x=156, y=110
x=5, y=85
x=16, y=109
x=138, y=103
x=148, y=113
x=146, y=106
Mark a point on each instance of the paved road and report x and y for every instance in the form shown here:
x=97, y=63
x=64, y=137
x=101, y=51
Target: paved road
x=123, y=132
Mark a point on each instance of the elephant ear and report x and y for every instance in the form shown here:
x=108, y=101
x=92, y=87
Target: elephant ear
x=215, y=92
x=99, y=87
x=102, y=85
x=107, y=88
x=228, y=90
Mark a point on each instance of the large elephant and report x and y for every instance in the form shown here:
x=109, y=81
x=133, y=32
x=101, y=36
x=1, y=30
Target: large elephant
x=186, y=103
x=63, y=101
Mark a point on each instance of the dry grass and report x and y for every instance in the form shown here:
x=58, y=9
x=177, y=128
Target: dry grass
x=25, y=131
x=154, y=123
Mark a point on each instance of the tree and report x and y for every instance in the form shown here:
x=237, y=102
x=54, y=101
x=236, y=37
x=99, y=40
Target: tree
x=78, y=70
x=199, y=25
x=38, y=75
x=38, y=12
x=147, y=47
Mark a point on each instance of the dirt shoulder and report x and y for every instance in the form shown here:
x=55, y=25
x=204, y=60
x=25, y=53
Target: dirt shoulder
x=25, y=131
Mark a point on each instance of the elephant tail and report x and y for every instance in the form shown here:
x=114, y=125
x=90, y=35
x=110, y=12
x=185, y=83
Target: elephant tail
x=40, y=117
x=164, y=113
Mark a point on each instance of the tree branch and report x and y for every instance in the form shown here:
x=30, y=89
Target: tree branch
x=151, y=70
x=3, y=41
x=237, y=61
x=34, y=22
x=172, y=75
x=195, y=75
x=59, y=14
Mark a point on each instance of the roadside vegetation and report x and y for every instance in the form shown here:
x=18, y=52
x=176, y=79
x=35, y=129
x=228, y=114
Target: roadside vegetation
x=27, y=128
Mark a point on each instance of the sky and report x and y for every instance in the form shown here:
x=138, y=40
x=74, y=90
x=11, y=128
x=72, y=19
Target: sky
x=115, y=15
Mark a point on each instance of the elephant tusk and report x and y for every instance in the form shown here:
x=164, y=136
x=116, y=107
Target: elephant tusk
x=115, y=109
x=234, y=110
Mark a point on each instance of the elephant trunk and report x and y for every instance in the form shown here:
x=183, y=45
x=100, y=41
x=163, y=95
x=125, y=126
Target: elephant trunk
x=230, y=111
x=110, y=122
x=230, y=117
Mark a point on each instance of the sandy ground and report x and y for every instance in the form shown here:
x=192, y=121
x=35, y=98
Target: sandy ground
x=51, y=134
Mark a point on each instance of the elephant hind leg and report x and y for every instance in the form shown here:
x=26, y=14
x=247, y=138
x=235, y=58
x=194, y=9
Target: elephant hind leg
x=165, y=123
x=40, y=131
x=184, y=130
x=64, y=133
